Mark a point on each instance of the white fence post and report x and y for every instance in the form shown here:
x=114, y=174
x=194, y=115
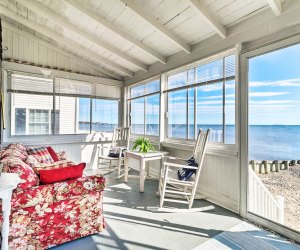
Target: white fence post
x=280, y=209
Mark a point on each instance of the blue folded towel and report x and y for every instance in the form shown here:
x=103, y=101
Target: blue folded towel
x=184, y=173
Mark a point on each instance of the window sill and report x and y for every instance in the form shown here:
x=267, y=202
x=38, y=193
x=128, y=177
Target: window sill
x=212, y=148
x=95, y=138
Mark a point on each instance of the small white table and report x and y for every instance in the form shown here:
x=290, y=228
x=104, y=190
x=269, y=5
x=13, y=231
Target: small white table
x=8, y=182
x=143, y=158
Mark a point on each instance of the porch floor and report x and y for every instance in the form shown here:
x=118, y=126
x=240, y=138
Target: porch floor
x=133, y=222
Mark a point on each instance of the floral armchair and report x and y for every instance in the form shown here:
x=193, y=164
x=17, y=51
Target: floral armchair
x=43, y=216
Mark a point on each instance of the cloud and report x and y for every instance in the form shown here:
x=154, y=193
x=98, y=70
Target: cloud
x=272, y=102
x=281, y=83
x=270, y=109
x=267, y=94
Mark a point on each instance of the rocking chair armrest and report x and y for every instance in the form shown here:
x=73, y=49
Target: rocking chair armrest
x=174, y=158
x=179, y=165
x=123, y=148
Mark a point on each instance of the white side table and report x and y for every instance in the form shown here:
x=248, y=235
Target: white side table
x=142, y=158
x=8, y=182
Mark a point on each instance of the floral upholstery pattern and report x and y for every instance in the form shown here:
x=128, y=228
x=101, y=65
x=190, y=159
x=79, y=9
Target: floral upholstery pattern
x=78, y=187
x=33, y=196
x=15, y=165
x=32, y=161
x=48, y=224
x=43, y=216
x=9, y=152
x=18, y=146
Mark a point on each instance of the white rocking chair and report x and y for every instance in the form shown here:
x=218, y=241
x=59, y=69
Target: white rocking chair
x=120, y=141
x=171, y=186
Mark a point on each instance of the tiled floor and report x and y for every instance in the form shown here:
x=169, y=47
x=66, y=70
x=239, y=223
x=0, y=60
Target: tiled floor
x=133, y=222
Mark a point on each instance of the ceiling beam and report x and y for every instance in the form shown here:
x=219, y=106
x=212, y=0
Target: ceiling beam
x=63, y=22
x=275, y=5
x=61, y=40
x=209, y=18
x=101, y=20
x=157, y=25
x=76, y=58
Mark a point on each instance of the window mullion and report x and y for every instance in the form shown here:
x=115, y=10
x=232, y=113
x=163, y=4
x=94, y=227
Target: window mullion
x=187, y=113
x=224, y=80
x=145, y=115
x=54, y=102
x=195, y=114
x=91, y=114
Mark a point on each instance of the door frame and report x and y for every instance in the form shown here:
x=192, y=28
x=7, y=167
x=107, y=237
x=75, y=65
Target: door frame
x=245, y=55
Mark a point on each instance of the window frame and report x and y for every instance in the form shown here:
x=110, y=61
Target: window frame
x=54, y=95
x=248, y=53
x=28, y=123
x=129, y=99
x=195, y=85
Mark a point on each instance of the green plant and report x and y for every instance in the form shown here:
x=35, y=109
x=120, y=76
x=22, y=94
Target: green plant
x=143, y=144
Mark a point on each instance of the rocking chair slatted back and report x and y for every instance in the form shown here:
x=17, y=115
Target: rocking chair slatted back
x=200, y=150
x=121, y=137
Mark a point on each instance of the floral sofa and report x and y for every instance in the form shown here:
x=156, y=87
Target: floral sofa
x=43, y=216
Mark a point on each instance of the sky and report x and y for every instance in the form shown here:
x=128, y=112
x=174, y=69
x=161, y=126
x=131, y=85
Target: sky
x=104, y=111
x=274, y=88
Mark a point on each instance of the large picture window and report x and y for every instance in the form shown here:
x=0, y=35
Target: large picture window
x=105, y=115
x=144, y=108
x=203, y=97
x=41, y=106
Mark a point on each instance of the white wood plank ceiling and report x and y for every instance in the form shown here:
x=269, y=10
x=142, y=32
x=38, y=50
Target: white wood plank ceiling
x=126, y=36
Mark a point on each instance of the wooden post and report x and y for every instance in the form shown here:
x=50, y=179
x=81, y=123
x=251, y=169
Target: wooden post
x=281, y=165
x=265, y=164
x=252, y=163
x=276, y=163
x=286, y=164
x=260, y=167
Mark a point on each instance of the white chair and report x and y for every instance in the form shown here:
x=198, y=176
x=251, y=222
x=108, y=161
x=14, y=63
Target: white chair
x=120, y=141
x=182, y=191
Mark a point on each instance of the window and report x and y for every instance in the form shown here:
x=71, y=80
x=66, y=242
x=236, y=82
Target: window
x=105, y=115
x=38, y=122
x=177, y=114
x=20, y=121
x=41, y=106
x=203, y=97
x=31, y=114
x=144, y=108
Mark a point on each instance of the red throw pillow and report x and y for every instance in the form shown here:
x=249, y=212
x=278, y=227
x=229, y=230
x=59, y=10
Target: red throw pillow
x=61, y=174
x=53, y=154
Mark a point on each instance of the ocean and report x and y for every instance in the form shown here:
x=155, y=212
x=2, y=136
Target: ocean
x=266, y=142
x=274, y=142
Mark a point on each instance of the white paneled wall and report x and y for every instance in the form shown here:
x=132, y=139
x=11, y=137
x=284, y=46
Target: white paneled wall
x=219, y=180
x=24, y=47
x=81, y=152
